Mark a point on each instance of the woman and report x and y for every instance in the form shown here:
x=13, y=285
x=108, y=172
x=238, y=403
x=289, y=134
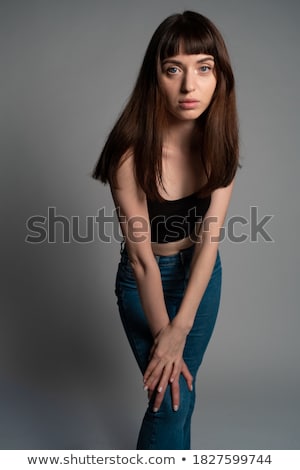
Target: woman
x=171, y=160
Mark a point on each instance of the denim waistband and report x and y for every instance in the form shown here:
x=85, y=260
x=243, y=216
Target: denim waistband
x=179, y=257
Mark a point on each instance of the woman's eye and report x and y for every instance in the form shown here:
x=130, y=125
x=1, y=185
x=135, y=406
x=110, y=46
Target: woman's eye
x=172, y=70
x=205, y=68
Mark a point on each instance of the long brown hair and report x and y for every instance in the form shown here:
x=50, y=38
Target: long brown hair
x=141, y=124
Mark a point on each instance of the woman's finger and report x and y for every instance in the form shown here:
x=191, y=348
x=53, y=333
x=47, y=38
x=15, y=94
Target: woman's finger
x=151, y=368
x=187, y=375
x=175, y=392
x=151, y=381
x=175, y=372
x=161, y=388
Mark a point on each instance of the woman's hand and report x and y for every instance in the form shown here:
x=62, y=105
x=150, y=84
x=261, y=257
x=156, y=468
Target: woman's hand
x=166, y=365
x=175, y=389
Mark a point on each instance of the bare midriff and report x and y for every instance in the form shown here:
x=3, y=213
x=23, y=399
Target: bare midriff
x=172, y=248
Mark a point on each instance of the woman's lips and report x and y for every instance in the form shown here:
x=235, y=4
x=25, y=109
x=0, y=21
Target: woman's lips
x=188, y=104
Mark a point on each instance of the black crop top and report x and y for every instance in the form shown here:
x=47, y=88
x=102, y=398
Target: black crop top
x=174, y=220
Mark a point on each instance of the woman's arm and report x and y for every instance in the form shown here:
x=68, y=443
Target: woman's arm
x=200, y=272
x=134, y=221
x=204, y=256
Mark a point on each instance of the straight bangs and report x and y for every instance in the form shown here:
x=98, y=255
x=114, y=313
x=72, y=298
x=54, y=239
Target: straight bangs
x=187, y=41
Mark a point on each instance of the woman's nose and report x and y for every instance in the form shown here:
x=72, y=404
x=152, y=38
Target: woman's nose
x=188, y=82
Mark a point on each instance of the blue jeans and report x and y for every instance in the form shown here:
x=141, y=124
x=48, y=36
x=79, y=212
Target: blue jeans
x=168, y=429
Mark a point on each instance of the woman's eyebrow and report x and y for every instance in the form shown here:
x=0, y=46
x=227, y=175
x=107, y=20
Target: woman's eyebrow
x=177, y=62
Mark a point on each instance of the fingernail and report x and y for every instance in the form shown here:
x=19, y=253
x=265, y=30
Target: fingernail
x=159, y=389
x=175, y=408
x=155, y=410
x=145, y=388
x=191, y=388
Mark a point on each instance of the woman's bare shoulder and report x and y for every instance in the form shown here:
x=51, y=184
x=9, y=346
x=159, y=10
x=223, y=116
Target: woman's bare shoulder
x=127, y=186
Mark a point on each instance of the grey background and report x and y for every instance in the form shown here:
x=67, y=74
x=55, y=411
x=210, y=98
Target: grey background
x=67, y=376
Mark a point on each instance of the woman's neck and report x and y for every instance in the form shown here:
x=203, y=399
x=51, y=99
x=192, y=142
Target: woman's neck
x=179, y=135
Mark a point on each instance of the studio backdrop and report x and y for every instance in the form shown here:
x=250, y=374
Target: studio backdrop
x=67, y=376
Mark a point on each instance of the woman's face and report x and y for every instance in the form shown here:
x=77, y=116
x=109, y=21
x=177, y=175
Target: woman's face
x=188, y=82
